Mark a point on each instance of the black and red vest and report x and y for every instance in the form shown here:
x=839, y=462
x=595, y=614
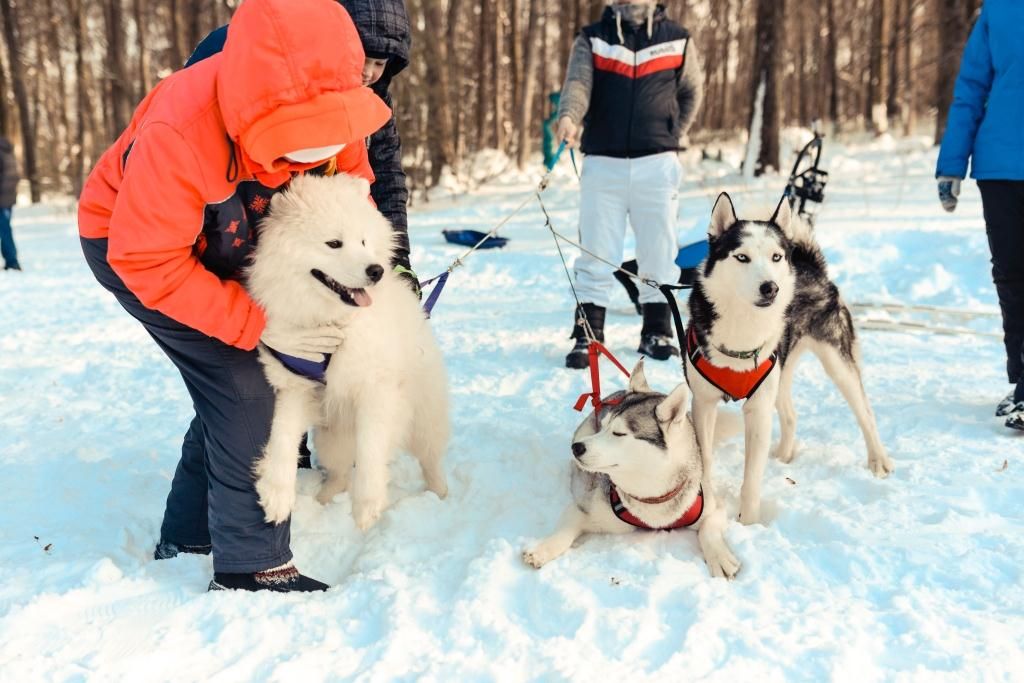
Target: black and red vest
x=634, y=106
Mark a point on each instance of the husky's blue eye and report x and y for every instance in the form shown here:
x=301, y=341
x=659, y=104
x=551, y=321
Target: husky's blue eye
x=618, y=433
x=742, y=258
x=776, y=258
x=334, y=244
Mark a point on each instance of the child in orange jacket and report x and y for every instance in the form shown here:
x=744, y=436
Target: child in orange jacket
x=161, y=230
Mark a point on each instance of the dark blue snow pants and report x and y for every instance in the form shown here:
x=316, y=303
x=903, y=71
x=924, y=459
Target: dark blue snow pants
x=1003, y=204
x=213, y=496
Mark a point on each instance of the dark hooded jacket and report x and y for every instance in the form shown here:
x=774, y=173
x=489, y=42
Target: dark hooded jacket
x=8, y=174
x=383, y=27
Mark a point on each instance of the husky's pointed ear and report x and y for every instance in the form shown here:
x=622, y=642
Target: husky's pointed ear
x=637, y=380
x=783, y=217
x=673, y=408
x=723, y=216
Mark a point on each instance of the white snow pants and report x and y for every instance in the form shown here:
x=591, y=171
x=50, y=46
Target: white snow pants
x=644, y=190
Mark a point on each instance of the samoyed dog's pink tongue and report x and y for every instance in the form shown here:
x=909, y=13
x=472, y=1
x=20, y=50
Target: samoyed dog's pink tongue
x=361, y=297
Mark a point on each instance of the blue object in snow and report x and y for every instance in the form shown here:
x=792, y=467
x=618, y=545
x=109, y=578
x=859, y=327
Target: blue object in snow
x=470, y=238
x=691, y=255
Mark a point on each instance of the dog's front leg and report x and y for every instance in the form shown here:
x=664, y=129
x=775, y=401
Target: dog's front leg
x=275, y=470
x=570, y=526
x=705, y=413
x=375, y=422
x=757, y=427
x=717, y=555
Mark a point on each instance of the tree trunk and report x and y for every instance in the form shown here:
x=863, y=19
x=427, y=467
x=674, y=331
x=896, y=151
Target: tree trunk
x=831, y=65
x=952, y=36
x=28, y=129
x=529, y=86
x=497, y=48
x=764, y=115
x=177, y=52
x=875, y=109
x=116, y=74
x=141, y=29
x=439, y=147
x=53, y=38
x=482, y=54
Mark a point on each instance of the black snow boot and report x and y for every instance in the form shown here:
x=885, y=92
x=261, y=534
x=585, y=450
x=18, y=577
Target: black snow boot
x=284, y=579
x=656, y=334
x=578, y=358
x=165, y=550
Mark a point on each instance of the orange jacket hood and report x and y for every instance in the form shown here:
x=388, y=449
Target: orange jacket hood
x=291, y=78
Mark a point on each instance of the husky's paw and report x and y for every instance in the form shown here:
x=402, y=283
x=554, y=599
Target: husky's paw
x=277, y=497
x=538, y=557
x=784, y=453
x=367, y=512
x=722, y=563
x=880, y=464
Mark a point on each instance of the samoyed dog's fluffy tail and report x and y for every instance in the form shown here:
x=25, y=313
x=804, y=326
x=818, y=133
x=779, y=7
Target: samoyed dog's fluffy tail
x=324, y=257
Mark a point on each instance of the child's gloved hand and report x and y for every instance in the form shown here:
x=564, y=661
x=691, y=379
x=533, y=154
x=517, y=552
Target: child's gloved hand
x=567, y=130
x=310, y=343
x=409, y=275
x=949, y=191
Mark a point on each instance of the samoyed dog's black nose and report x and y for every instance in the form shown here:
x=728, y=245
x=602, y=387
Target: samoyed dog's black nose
x=375, y=272
x=769, y=290
x=578, y=449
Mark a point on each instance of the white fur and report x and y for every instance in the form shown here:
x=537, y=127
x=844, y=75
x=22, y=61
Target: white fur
x=741, y=326
x=639, y=469
x=386, y=387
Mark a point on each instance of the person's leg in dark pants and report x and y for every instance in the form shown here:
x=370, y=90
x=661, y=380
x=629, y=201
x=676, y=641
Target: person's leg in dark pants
x=186, y=524
x=7, y=248
x=234, y=406
x=1003, y=203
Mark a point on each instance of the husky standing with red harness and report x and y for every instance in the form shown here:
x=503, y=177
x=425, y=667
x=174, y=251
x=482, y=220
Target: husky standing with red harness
x=634, y=83
x=763, y=297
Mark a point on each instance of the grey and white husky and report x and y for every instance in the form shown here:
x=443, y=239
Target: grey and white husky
x=762, y=298
x=639, y=467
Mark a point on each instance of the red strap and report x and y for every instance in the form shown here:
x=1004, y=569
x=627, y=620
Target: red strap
x=594, y=349
x=689, y=517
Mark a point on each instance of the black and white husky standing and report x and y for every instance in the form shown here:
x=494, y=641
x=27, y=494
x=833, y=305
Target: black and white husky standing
x=639, y=467
x=762, y=298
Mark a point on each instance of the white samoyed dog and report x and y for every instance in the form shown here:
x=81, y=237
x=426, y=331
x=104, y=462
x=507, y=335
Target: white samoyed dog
x=323, y=258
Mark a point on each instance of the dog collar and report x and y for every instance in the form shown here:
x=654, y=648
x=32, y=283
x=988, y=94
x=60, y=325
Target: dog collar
x=688, y=518
x=310, y=369
x=736, y=385
x=741, y=355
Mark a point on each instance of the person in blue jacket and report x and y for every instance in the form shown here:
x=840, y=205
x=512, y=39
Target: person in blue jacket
x=986, y=126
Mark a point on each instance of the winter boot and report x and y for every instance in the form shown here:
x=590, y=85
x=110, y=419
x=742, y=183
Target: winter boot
x=283, y=579
x=165, y=550
x=656, y=334
x=1009, y=405
x=578, y=358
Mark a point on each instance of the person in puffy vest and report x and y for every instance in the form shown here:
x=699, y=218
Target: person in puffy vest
x=633, y=86
x=383, y=27
x=986, y=126
x=8, y=198
x=284, y=98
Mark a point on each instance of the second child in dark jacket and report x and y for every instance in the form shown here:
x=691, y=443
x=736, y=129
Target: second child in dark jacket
x=383, y=27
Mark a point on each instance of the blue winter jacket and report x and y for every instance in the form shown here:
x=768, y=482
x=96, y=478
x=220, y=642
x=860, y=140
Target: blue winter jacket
x=986, y=119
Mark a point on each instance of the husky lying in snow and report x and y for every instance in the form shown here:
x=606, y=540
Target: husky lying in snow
x=323, y=258
x=640, y=468
x=762, y=298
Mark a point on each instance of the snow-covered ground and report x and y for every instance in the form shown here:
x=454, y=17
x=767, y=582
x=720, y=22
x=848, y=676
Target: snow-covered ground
x=917, y=577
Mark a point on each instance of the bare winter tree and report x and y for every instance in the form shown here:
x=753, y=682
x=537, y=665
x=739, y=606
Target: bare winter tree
x=763, y=150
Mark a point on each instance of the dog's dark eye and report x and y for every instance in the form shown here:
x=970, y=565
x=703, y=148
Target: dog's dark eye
x=742, y=258
x=334, y=244
x=364, y=243
x=776, y=258
x=618, y=433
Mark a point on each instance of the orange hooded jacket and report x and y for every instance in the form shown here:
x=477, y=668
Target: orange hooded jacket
x=291, y=80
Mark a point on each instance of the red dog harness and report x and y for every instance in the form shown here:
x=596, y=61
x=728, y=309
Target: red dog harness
x=733, y=383
x=689, y=518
